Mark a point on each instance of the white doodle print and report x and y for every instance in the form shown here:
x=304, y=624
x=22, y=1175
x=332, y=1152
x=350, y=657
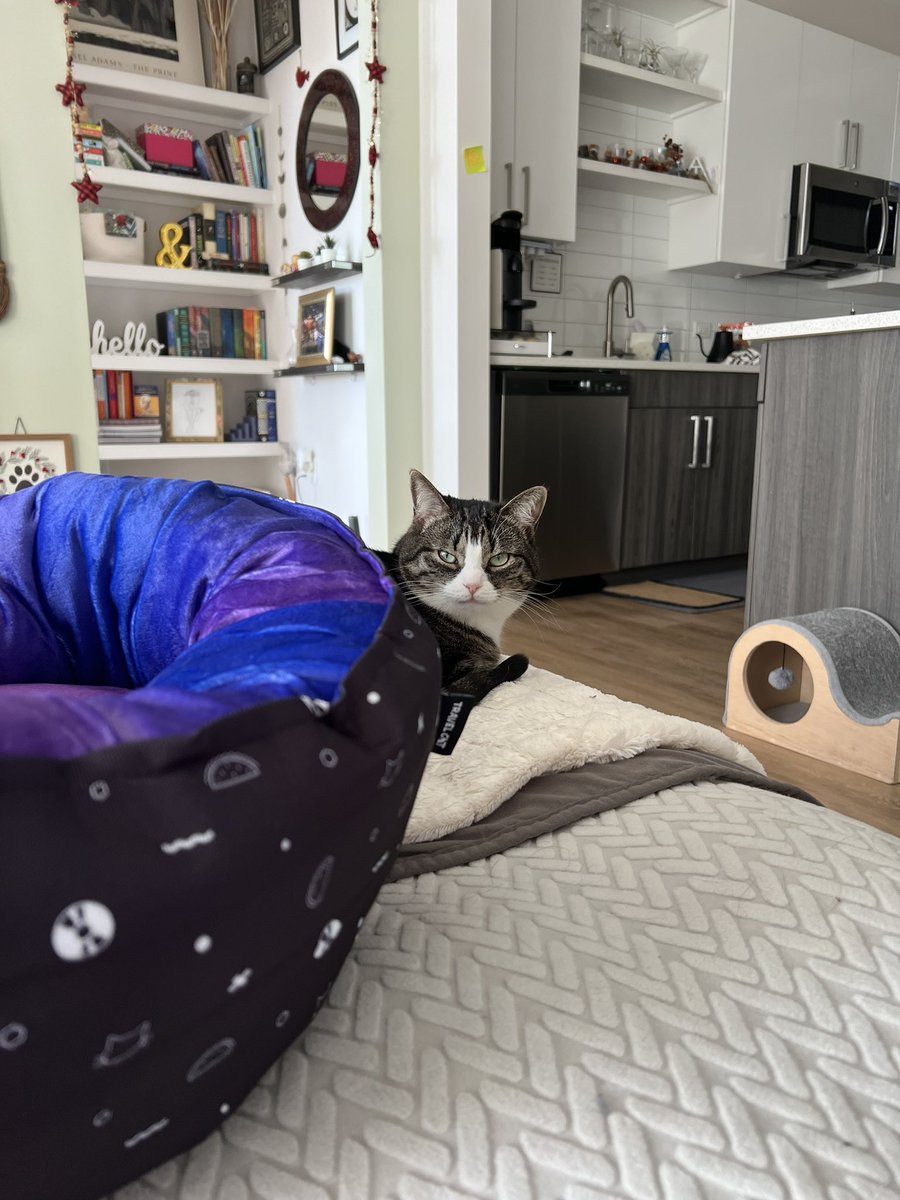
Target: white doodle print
x=327, y=938
x=317, y=707
x=188, y=843
x=408, y=662
x=381, y=861
x=99, y=790
x=373, y=697
x=318, y=885
x=203, y=943
x=408, y=633
x=240, y=980
x=286, y=844
x=374, y=834
x=282, y=1019
x=83, y=929
x=327, y=757
x=230, y=769
x=12, y=1036
x=122, y=1046
x=145, y=1133
x=392, y=769
x=103, y=1117
x=420, y=723
x=224, y=1109
x=211, y=1058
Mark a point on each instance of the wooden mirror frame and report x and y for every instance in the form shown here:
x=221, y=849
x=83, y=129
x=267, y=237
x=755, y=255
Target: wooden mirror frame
x=329, y=83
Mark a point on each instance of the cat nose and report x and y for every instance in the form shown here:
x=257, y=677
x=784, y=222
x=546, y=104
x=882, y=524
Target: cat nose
x=472, y=588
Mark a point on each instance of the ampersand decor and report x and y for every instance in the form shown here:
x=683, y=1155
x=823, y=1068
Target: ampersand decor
x=171, y=254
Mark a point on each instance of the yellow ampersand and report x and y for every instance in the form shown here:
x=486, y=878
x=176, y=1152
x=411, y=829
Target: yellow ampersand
x=171, y=254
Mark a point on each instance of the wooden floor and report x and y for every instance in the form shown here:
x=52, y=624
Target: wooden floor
x=675, y=662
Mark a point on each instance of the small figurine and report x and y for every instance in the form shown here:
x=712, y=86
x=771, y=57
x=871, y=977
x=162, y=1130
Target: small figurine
x=246, y=76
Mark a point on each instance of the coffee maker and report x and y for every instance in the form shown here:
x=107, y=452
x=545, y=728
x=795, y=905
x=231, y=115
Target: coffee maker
x=507, y=304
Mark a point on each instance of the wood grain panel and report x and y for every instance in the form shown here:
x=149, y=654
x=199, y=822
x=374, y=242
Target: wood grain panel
x=724, y=490
x=659, y=488
x=686, y=389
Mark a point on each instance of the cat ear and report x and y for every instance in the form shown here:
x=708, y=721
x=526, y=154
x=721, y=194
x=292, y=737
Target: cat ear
x=428, y=503
x=526, y=508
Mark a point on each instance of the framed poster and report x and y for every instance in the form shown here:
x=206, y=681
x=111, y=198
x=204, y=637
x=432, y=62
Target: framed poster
x=346, y=19
x=277, y=30
x=315, y=329
x=194, y=410
x=27, y=459
x=160, y=38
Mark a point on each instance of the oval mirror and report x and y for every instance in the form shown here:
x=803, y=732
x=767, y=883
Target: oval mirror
x=328, y=150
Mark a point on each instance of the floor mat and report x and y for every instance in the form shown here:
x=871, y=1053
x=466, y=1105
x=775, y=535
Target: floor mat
x=672, y=595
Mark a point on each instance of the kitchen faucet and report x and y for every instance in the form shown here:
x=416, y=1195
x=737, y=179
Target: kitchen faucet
x=608, y=350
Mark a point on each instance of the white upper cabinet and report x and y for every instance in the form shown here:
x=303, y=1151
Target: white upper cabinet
x=847, y=103
x=534, y=119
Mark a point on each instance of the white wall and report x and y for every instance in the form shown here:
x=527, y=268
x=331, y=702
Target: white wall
x=45, y=369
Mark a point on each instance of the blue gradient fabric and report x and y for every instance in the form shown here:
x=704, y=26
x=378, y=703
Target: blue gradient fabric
x=143, y=608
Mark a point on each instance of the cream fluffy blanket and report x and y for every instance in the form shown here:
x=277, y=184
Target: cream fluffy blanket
x=543, y=723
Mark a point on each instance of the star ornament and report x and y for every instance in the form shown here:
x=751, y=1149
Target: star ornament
x=376, y=70
x=87, y=190
x=302, y=76
x=70, y=90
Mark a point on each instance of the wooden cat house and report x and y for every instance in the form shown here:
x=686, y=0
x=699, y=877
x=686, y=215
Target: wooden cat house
x=826, y=684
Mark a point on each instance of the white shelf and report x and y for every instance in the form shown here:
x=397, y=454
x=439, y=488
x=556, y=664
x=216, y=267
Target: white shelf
x=106, y=274
x=638, y=183
x=609, y=79
x=120, y=184
x=173, y=365
x=136, y=451
x=166, y=97
x=674, y=12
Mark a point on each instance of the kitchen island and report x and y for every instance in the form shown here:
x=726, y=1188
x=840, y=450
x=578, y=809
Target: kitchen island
x=825, y=529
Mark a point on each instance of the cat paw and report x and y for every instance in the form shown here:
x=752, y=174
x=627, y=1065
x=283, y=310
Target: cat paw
x=510, y=669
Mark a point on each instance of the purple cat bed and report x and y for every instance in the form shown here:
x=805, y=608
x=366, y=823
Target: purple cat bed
x=214, y=715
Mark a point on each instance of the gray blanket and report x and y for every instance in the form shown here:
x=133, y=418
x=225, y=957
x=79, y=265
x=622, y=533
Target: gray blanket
x=554, y=801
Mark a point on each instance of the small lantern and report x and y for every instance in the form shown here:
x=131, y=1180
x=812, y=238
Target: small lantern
x=246, y=76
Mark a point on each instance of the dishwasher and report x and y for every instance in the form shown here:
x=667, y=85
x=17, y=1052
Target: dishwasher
x=567, y=430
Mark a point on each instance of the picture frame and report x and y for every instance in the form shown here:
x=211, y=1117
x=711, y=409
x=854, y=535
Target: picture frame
x=277, y=30
x=346, y=26
x=315, y=329
x=29, y=459
x=167, y=47
x=194, y=410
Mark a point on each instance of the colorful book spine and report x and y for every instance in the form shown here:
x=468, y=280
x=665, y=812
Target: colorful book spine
x=238, y=319
x=215, y=332
x=227, y=318
x=112, y=392
x=100, y=395
x=263, y=340
x=183, y=325
x=249, y=337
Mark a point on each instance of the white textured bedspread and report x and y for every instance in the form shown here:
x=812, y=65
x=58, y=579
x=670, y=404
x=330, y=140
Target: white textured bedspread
x=542, y=723
x=695, y=997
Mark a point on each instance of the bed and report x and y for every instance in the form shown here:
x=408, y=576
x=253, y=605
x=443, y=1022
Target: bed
x=616, y=961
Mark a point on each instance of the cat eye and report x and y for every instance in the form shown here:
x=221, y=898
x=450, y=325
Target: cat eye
x=499, y=560
x=447, y=557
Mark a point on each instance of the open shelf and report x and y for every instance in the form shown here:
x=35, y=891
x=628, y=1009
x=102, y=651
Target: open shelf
x=320, y=273
x=170, y=98
x=675, y=12
x=611, y=80
x=165, y=364
x=639, y=183
x=107, y=274
x=133, y=451
x=120, y=184
x=331, y=369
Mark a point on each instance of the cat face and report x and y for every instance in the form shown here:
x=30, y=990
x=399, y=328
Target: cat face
x=471, y=559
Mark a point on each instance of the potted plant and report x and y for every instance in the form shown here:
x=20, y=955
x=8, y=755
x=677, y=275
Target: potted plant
x=326, y=251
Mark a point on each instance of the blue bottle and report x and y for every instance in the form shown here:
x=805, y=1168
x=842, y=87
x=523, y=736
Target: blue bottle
x=663, y=350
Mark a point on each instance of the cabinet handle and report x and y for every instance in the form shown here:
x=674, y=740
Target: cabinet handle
x=508, y=169
x=855, y=130
x=845, y=125
x=526, y=195
x=695, y=451
x=709, y=432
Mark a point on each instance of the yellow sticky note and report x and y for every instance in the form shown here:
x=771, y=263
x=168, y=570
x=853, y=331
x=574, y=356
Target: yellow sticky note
x=473, y=156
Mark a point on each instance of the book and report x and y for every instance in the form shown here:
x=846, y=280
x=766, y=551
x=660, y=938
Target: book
x=247, y=166
x=237, y=320
x=146, y=401
x=232, y=264
x=206, y=210
x=263, y=341
x=112, y=392
x=215, y=332
x=128, y=147
x=100, y=395
x=249, y=336
x=183, y=327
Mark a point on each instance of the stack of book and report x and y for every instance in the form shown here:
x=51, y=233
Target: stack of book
x=126, y=411
x=199, y=332
x=89, y=134
x=143, y=430
x=238, y=158
x=224, y=239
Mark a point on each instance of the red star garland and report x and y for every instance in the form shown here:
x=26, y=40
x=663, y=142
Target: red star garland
x=373, y=237
x=373, y=155
x=87, y=189
x=72, y=94
x=302, y=77
x=376, y=70
x=71, y=91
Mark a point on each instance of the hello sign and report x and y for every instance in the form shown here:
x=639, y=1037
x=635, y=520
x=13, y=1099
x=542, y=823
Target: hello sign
x=134, y=340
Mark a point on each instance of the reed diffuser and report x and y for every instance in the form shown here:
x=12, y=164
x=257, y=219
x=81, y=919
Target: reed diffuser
x=218, y=14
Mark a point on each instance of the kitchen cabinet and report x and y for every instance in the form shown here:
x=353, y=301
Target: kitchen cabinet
x=847, y=103
x=534, y=113
x=688, y=467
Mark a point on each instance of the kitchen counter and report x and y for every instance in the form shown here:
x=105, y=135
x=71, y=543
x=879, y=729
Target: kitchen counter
x=617, y=364
x=863, y=323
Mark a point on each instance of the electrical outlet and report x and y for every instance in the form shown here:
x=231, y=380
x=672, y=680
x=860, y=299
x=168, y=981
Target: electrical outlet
x=704, y=328
x=306, y=463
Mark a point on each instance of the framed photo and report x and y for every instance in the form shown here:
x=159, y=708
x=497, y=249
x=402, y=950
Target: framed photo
x=277, y=30
x=346, y=19
x=315, y=329
x=194, y=410
x=160, y=38
x=26, y=460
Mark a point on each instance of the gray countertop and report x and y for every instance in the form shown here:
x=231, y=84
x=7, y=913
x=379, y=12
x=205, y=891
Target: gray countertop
x=862, y=323
x=615, y=364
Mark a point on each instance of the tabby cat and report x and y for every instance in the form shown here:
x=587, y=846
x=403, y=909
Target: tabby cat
x=466, y=566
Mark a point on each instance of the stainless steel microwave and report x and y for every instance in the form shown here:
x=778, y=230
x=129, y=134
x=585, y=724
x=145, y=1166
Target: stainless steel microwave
x=840, y=222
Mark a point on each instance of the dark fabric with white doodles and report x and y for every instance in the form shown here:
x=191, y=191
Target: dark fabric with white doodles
x=173, y=911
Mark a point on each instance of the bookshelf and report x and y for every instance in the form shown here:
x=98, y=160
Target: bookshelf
x=120, y=292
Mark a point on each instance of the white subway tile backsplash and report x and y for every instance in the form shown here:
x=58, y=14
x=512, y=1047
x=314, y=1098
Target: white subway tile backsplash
x=651, y=249
x=610, y=220
x=596, y=241
x=652, y=227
